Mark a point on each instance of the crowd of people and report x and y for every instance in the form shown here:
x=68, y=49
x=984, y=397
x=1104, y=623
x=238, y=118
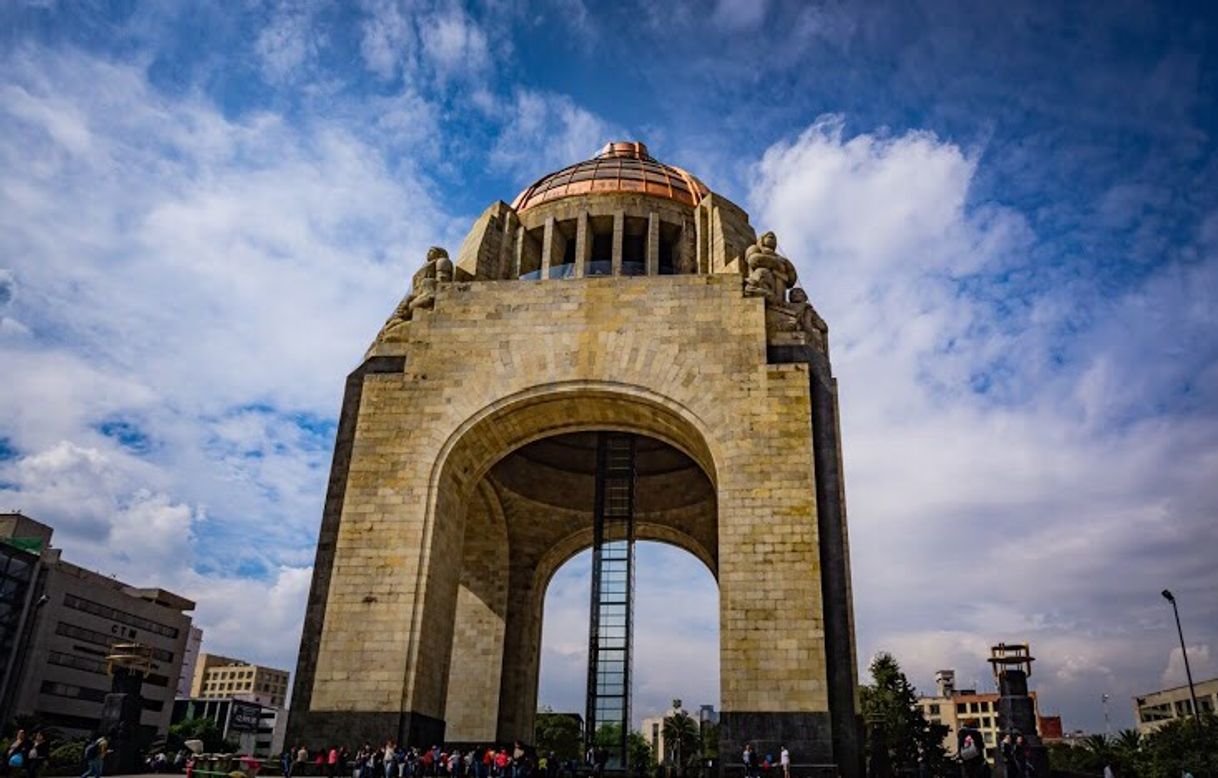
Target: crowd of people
x=391, y=760
x=27, y=753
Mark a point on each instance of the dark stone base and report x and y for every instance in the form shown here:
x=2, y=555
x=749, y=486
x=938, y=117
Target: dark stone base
x=322, y=729
x=808, y=736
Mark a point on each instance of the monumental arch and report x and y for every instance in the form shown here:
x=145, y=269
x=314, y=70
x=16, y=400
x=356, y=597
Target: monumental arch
x=616, y=299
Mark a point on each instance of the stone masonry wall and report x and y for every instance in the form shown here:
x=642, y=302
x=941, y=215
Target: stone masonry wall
x=654, y=355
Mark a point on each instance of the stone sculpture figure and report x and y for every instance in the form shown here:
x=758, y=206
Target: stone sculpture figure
x=804, y=316
x=437, y=269
x=770, y=273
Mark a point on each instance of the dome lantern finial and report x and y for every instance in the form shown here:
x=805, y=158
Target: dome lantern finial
x=624, y=148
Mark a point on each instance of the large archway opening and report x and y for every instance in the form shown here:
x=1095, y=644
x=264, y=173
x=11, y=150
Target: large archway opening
x=531, y=513
x=676, y=644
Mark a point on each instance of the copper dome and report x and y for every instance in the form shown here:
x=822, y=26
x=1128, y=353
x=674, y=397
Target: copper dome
x=622, y=166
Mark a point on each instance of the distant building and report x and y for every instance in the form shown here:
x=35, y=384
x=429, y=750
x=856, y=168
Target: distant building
x=68, y=621
x=194, y=643
x=653, y=727
x=1154, y=709
x=1050, y=728
x=952, y=707
x=257, y=729
x=221, y=677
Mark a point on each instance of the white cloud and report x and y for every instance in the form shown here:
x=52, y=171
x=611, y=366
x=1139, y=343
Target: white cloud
x=454, y=44
x=1198, y=660
x=544, y=131
x=388, y=38
x=739, y=14
x=998, y=492
x=193, y=289
x=676, y=650
x=288, y=41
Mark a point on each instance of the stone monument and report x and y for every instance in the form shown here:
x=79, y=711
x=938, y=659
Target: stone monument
x=618, y=314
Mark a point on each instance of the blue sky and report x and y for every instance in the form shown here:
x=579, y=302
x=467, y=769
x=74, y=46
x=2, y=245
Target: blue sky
x=1007, y=214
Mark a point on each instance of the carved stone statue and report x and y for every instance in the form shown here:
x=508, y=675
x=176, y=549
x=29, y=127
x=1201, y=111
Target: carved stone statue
x=804, y=315
x=437, y=269
x=770, y=274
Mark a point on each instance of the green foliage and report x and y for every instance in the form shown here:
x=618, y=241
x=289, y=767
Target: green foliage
x=559, y=733
x=710, y=741
x=68, y=755
x=1177, y=747
x=639, y=750
x=608, y=736
x=896, y=726
x=680, y=740
x=200, y=729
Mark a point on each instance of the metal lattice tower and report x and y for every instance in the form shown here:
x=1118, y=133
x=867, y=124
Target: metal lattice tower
x=612, y=613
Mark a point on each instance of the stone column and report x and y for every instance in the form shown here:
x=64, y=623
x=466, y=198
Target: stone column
x=518, y=254
x=547, y=248
x=653, y=244
x=619, y=226
x=582, y=244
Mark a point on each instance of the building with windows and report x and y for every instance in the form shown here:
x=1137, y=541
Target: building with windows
x=194, y=643
x=653, y=727
x=954, y=707
x=256, y=729
x=1154, y=709
x=219, y=677
x=71, y=619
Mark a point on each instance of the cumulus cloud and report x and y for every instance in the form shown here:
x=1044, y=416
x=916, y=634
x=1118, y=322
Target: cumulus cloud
x=1198, y=660
x=193, y=289
x=997, y=488
x=455, y=44
x=288, y=41
x=544, y=131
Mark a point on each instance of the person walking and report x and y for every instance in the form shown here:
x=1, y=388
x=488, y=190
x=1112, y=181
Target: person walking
x=784, y=759
x=37, y=755
x=14, y=760
x=95, y=757
x=970, y=750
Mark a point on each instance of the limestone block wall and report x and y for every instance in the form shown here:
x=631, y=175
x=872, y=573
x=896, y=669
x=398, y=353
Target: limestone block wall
x=497, y=364
x=479, y=625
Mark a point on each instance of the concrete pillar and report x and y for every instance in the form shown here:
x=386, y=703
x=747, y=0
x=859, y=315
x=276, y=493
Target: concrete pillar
x=583, y=246
x=518, y=253
x=547, y=248
x=619, y=227
x=653, y=244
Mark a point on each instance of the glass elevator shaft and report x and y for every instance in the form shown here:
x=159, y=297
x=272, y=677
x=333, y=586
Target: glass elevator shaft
x=612, y=611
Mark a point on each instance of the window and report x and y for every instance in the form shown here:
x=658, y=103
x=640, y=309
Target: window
x=530, y=254
x=76, y=662
x=102, y=639
x=600, y=259
x=634, y=247
x=74, y=692
x=113, y=614
x=670, y=239
x=562, y=253
x=934, y=709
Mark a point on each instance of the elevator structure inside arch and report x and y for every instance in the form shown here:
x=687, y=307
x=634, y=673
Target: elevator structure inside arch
x=615, y=355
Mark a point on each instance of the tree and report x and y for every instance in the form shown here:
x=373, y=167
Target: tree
x=640, y=752
x=710, y=740
x=680, y=739
x=897, y=729
x=558, y=733
x=200, y=729
x=1177, y=747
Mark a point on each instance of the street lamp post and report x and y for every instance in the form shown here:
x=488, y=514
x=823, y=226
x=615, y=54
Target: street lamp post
x=1188, y=673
